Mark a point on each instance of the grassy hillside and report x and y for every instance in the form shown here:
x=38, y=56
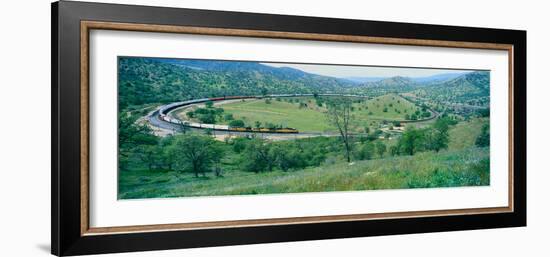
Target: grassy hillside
x=464, y=134
x=386, y=107
x=468, y=167
x=471, y=88
x=462, y=164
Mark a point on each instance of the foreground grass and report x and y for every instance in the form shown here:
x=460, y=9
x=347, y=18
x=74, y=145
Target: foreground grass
x=466, y=167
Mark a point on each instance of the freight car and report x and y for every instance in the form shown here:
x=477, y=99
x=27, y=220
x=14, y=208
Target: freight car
x=166, y=109
x=264, y=130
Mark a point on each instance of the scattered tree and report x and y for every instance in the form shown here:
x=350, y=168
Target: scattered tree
x=484, y=139
x=409, y=142
x=339, y=115
x=236, y=123
x=148, y=154
x=283, y=158
x=228, y=117
x=437, y=137
x=484, y=112
x=364, y=151
x=239, y=144
x=167, y=155
x=257, y=157
x=131, y=135
x=196, y=153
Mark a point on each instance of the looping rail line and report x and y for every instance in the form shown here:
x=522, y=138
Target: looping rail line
x=163, y=113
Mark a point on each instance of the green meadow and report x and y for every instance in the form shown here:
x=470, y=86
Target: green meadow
x=280, y=112
x=307, y=114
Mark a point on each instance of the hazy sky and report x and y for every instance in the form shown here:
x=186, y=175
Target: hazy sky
x=341, y=71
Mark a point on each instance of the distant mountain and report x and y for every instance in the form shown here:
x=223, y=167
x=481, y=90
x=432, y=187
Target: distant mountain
x=364, y=79
x=418, y=80
x=438, y=78
x=470, y=88
x=478, y=80
x=397, y=81
x=283, y=73
x=154, y=80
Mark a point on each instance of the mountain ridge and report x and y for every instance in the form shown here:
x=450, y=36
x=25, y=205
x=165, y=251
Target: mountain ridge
x=159, y=80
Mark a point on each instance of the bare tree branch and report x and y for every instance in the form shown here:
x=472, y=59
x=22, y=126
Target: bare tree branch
x=339, y=114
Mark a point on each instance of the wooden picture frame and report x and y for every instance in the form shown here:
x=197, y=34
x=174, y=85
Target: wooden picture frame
x=71, y=25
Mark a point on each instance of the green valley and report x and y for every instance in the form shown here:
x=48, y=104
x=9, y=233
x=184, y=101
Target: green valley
x=211, y=127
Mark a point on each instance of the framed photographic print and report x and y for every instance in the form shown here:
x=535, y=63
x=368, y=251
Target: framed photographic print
x=178, y=128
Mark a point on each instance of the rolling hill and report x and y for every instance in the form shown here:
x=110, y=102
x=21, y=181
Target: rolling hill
x=470, y=88
x=150, y=80
x=143, y=80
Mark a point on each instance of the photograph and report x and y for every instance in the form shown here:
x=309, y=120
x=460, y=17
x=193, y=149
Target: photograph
x=177, y=127
x=201, y=127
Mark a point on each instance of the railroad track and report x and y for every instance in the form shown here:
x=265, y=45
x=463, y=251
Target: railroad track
x=162, y=119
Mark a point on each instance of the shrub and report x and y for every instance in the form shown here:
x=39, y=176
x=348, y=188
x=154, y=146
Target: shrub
x=257, y=156
x=380, y=148
x=239, y=144
x=236, y=123
x=484, y=112
x=319, y=102
x=484, y=139
x=411, y=141
x=285, y=158
x=207, y=118
x=364, y=152
x=373, y=136
x=228, y=117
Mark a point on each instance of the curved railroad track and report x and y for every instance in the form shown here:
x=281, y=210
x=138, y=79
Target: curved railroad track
x=162, y=119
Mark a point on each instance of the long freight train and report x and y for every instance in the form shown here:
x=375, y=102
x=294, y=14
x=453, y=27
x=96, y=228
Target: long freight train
x=166, y=109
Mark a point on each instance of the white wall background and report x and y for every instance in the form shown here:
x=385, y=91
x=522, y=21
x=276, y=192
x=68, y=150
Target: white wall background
x=25, y=142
